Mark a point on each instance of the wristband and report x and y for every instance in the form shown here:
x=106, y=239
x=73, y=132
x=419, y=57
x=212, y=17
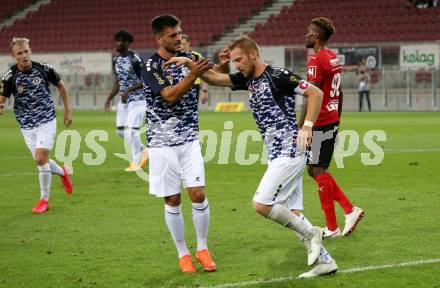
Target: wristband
x=308, y=123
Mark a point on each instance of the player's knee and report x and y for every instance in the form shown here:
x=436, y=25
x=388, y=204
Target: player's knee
x=296, y=212
x=197, y=194
x=41, y=160
x=41, y=156
x=173, y=200
x=314, y=171
x=261, y=209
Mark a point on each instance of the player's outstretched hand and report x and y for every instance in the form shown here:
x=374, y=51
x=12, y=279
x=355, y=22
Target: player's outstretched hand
x=178, y=61
x=223, y=56
x=304, y=138
x=201, y=66
x=67, y=118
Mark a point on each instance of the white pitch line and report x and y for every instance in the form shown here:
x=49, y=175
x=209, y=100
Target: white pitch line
x=351, y=270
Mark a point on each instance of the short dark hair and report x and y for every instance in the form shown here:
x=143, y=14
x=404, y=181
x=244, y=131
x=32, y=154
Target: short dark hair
x=326, y=26
x=124, y=36
x=159, y=23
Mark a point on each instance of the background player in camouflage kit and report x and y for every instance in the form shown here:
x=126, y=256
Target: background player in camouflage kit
x=130, y=111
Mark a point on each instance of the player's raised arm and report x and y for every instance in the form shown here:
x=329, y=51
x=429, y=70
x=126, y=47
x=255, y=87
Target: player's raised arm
x=65, y=96
x=224, y=59
x=173, y=93
x=210, y=76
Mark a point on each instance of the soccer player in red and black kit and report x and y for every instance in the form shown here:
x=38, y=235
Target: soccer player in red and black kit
x=324, y=71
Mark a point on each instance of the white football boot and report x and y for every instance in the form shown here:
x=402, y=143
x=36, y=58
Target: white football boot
x=351, y=220
x=321, y=269
x=315, y=246
x=331, y=234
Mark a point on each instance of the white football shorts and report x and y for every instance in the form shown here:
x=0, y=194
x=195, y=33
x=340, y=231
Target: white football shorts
x=42, y=136
x=171, y=166
x=121, y=114
x=282, y=183
x=136, y=113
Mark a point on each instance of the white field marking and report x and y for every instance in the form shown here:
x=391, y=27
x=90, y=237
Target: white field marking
x=351, y=270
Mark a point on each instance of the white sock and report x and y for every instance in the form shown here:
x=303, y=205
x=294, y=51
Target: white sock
x=201, y=215
x=136, y=146
x=45, y=176
x=324, y=257
x=174, y=220
x=282, y=215
x=55, y=168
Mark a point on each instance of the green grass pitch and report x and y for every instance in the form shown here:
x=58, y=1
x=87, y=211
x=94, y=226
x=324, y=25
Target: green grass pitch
x=111, y=233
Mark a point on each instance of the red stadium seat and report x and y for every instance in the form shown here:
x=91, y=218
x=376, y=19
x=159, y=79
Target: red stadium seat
x=90, y=25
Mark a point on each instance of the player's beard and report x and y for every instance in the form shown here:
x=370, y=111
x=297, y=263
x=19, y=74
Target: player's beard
x=310, y=44
x=173, y=49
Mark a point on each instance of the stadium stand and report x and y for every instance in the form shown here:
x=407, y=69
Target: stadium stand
x=355, y=21
x=7, y=8
x=70, y=25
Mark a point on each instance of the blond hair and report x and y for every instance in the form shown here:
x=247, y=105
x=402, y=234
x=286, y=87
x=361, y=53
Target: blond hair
x=245, y=43
x=18, y=41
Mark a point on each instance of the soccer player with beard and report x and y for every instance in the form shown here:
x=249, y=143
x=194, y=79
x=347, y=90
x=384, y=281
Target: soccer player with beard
x=173, y=140
x=324, y=71
x=272, y=93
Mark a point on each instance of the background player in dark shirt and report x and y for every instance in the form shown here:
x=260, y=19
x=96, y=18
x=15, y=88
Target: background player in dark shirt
x=130, y=110
x=34, y=110
x=324, y=71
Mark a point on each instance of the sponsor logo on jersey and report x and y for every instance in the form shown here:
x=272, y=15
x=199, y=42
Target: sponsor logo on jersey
x=36, y=80
x=332, y=106
x=294, y=79
x=148, y=64
x=158, y=78
x=312, y=71
x=262, y=87
x=303, y=85
x=276, y=72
